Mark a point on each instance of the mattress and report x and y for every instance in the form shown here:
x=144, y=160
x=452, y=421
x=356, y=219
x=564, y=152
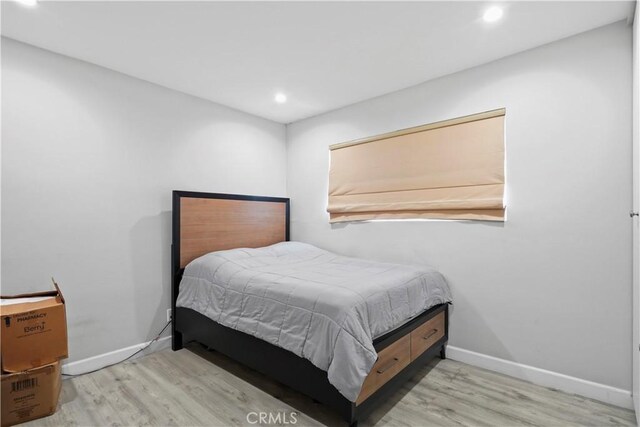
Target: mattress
x=321, y=306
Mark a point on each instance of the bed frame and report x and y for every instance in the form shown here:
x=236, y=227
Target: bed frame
x=207, y=222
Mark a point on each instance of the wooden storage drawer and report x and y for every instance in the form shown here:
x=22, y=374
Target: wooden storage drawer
x=391, y=360
x=425, y=335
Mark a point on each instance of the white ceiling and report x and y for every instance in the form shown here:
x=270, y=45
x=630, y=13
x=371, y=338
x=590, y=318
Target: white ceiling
x=323, y=55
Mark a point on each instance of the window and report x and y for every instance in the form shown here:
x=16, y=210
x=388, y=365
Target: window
x=446, y=170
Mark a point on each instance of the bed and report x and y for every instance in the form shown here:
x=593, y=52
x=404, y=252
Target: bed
x=344, y=331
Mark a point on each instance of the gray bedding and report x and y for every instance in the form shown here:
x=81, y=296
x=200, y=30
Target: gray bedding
x=321, y=306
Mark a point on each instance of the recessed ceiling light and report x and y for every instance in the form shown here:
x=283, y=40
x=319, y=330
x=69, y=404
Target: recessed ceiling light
x=29, y=3
x=280, y=98
x=493, y=14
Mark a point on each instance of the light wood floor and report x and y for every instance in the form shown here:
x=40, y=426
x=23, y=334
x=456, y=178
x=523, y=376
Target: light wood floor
x=185, y=388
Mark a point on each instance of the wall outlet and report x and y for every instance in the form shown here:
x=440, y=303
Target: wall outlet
x=169, y=315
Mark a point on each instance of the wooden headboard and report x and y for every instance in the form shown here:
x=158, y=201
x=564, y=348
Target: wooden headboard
x=207, y=222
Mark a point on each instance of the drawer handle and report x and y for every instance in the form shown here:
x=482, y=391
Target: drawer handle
x=389, y=365
x=430, y=334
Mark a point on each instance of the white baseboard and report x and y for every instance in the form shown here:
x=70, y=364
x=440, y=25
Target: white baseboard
x=102, y=360
x=566, y=383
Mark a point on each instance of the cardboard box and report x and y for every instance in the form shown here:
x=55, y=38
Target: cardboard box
x=33, y=330
x=30, y=394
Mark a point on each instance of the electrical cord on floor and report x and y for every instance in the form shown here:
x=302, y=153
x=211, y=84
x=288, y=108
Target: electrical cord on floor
x=123, y=360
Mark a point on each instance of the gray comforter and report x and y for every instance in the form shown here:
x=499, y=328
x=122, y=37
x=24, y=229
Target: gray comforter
x=321, y=306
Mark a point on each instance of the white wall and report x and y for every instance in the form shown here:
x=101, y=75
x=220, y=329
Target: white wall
x=89, y=159
x=635, y=349
x=551, y=287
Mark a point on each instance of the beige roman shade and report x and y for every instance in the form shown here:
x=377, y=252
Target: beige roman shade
x=447, y=170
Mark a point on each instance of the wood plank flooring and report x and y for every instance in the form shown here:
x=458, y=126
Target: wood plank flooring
x=195, y=387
